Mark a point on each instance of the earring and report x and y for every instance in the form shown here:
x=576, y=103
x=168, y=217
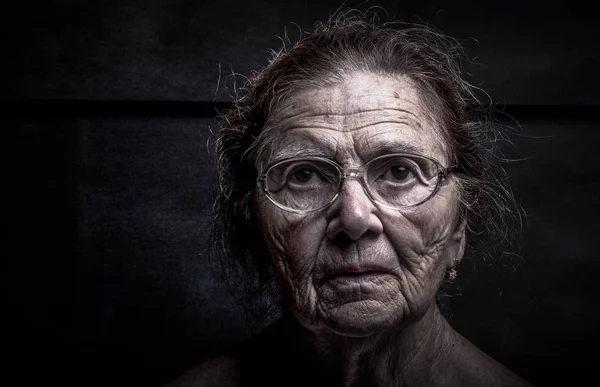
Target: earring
x=452, y=273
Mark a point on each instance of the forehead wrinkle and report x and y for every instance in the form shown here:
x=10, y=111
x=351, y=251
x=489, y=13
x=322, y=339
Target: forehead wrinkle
x=310, y=112
x=349, y=107
x=344, y=102
x=343, y=122
x=396, y=139
x=368, y=149
x=300, y=127
x=346, y=129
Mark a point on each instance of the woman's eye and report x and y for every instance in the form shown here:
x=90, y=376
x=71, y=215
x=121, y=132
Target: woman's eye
x=302, y=175
x=398, y=173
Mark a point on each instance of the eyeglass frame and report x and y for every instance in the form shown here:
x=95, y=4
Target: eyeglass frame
x=357, y=173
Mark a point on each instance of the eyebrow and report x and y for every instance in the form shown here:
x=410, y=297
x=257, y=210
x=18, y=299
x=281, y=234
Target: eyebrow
x=297, y=150
x=384, y=148
x=306, y=145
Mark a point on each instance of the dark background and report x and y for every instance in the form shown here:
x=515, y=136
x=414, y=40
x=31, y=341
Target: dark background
x=110, y=107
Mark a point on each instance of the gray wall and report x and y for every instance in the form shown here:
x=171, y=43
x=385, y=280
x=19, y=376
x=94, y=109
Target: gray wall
x=111, y=182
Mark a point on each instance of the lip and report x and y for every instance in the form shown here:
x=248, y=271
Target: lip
x=355, y=274
x=359, y=279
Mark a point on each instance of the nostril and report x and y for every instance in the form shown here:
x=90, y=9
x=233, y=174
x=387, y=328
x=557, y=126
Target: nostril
x=342, y=240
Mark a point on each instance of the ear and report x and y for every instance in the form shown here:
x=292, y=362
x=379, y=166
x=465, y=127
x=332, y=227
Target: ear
x=457, y=244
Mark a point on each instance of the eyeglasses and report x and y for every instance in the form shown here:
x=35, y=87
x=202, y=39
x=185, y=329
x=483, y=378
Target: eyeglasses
x=395, y=181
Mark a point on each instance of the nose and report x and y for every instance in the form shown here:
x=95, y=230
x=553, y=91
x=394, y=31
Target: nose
x=353, y=213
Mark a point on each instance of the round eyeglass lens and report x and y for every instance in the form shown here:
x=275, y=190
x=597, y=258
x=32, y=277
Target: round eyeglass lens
x=302, y=184
x=401, y=181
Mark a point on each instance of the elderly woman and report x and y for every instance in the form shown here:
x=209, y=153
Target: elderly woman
x=353, y=170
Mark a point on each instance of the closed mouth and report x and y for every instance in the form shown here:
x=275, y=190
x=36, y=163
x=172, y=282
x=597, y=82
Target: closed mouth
x=356, y=273
x=353, y=273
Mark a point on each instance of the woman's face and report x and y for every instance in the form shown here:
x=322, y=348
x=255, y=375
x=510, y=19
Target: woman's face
x=356, y=268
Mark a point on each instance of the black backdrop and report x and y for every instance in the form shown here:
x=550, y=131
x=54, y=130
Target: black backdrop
x=110, y=106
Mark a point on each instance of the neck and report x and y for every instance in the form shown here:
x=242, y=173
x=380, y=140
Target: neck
x=412, y=354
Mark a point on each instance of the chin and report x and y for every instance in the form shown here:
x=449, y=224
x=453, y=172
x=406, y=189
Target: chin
x=361, y=319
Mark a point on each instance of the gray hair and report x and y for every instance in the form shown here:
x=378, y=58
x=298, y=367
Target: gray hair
x=336, y=49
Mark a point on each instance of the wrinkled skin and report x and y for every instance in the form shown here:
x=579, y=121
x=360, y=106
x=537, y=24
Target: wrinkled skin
x=410, y=249
x=384, y=330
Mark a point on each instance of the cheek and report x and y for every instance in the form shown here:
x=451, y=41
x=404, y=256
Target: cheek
x=438, y=217
x=293, y=242
x=421, y=237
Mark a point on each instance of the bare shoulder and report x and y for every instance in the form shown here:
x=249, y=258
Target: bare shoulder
x=220, y=371
x=473, y=367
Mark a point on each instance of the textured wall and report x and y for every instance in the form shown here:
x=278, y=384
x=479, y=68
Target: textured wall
x=528, y=52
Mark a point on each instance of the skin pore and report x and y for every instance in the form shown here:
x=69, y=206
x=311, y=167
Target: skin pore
x=393, y=315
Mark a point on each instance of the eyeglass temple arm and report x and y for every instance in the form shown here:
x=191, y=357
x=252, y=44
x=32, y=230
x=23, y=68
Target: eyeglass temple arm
x=447, y=171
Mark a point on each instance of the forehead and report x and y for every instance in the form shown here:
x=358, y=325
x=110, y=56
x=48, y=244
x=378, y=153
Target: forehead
x=354, y=119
